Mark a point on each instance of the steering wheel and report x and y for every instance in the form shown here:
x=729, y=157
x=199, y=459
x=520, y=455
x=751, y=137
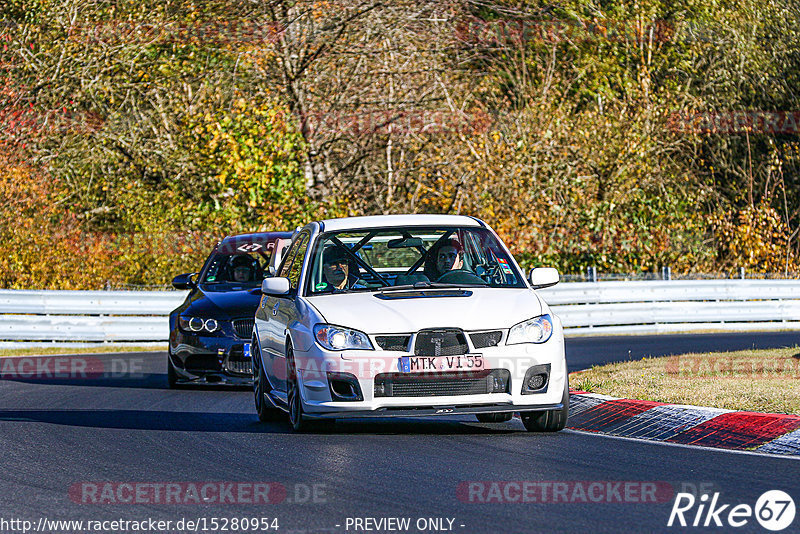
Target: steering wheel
x=461, y=276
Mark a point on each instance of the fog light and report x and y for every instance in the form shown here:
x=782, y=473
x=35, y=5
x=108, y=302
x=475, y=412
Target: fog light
x=344, y=387
x=536, y=382
x=536, y=379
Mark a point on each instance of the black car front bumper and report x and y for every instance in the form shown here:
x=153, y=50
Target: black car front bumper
x=200, y=359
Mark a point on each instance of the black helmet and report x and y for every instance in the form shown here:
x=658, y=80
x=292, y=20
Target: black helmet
x=243, y=260
x=334, y=253
x=337, y=253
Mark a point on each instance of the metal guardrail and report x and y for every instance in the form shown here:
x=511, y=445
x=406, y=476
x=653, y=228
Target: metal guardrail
x=33, y=317
x=90, y=302
x=675, y=306
x=584, y=307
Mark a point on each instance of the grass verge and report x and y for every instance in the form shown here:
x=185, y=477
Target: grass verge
x=100, y=349
x=749, y=380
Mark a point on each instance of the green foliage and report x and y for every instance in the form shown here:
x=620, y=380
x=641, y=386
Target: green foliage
x=253, y=175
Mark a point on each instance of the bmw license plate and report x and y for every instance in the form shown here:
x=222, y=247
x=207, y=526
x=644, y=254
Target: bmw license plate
x=464, y=362
x=246, y=350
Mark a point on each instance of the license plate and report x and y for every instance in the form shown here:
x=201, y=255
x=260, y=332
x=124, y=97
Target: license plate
x=464, y=362
x=246, y=350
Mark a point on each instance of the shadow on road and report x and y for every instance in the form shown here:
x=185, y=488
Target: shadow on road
x=242, y=423
x=141, y=381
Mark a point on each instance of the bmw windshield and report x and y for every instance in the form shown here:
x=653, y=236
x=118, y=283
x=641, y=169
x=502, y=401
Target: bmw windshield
x=388, y=258
x=230, y=271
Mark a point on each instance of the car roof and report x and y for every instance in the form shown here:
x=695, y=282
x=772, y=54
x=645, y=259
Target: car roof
x=232, y=243
x=257, y=236
x=378, y=221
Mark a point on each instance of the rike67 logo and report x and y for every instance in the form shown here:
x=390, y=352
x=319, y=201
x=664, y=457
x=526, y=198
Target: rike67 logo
x=774, y=510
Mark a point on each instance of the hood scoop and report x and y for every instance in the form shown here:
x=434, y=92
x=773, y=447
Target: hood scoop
x=423, y=294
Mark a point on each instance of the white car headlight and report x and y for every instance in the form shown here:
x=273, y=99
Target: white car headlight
x=536, y=330
x=338, y=338
x=198, y=325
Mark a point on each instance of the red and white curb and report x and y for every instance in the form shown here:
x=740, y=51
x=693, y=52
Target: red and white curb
x=683, y=424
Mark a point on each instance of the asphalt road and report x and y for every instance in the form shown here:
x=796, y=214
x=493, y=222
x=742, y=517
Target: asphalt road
x=62, y=439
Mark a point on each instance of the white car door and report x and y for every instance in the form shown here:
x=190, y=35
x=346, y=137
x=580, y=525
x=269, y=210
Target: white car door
x=278, y=312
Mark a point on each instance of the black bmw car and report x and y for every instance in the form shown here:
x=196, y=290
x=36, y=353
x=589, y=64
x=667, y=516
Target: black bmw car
x=209, y=340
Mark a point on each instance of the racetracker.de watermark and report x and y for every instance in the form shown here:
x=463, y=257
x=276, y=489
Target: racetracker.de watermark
x=214, y=32
x=198, y=492
x=502, y=32
x=565, y=491
x=687, y=366
x=70, y=367
x=430, y=367
x=507, y=32
x=22, y=120
x=736, y=122
x=396, y=121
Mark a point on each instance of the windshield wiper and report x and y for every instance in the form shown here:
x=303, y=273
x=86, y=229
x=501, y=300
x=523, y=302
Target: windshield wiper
x=342, y=291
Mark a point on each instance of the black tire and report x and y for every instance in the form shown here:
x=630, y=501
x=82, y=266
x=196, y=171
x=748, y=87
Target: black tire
x=172, y=376
x=548, y=420
x=494, y=417
x=297, y=419
x=266, y=412
x=293, y=398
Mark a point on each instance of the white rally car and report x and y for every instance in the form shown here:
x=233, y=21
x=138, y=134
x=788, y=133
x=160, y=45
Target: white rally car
x=407, y=315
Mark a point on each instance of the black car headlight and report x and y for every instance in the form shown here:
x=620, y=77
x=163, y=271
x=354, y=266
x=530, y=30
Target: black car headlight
x=198, y=325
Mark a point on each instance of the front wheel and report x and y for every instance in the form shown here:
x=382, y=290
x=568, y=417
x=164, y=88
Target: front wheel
x=266, y=412
x=548, y=420
x=297, y=419
x=293, y=398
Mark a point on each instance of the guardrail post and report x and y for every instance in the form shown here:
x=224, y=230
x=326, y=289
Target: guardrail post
x=591, y=273
x=741, y=273
x=666, y=273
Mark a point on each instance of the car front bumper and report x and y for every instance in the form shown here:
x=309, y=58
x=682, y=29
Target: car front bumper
x=210, y=360
x=432, y=411
x=318, y=367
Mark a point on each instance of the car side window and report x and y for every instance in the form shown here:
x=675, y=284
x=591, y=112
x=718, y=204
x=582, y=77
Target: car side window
x=293, y=265
x=297, y=264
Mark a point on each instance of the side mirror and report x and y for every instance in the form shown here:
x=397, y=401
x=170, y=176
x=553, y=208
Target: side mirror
x=275, y=286
x=184, y=281
x=542, y=277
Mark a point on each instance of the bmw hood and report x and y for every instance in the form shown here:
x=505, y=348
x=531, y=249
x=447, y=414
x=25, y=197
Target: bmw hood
x=482, y=309
x=224, y=304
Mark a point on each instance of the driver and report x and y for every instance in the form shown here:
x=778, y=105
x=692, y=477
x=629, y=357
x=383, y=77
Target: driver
x=336, y=270
x=242, y=269
x=450, y=257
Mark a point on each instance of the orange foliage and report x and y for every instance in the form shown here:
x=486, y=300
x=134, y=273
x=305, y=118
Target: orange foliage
x=43, y=246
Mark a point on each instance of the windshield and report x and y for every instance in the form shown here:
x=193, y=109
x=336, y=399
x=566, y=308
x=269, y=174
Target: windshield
x=382, y=259
x=242, y=269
